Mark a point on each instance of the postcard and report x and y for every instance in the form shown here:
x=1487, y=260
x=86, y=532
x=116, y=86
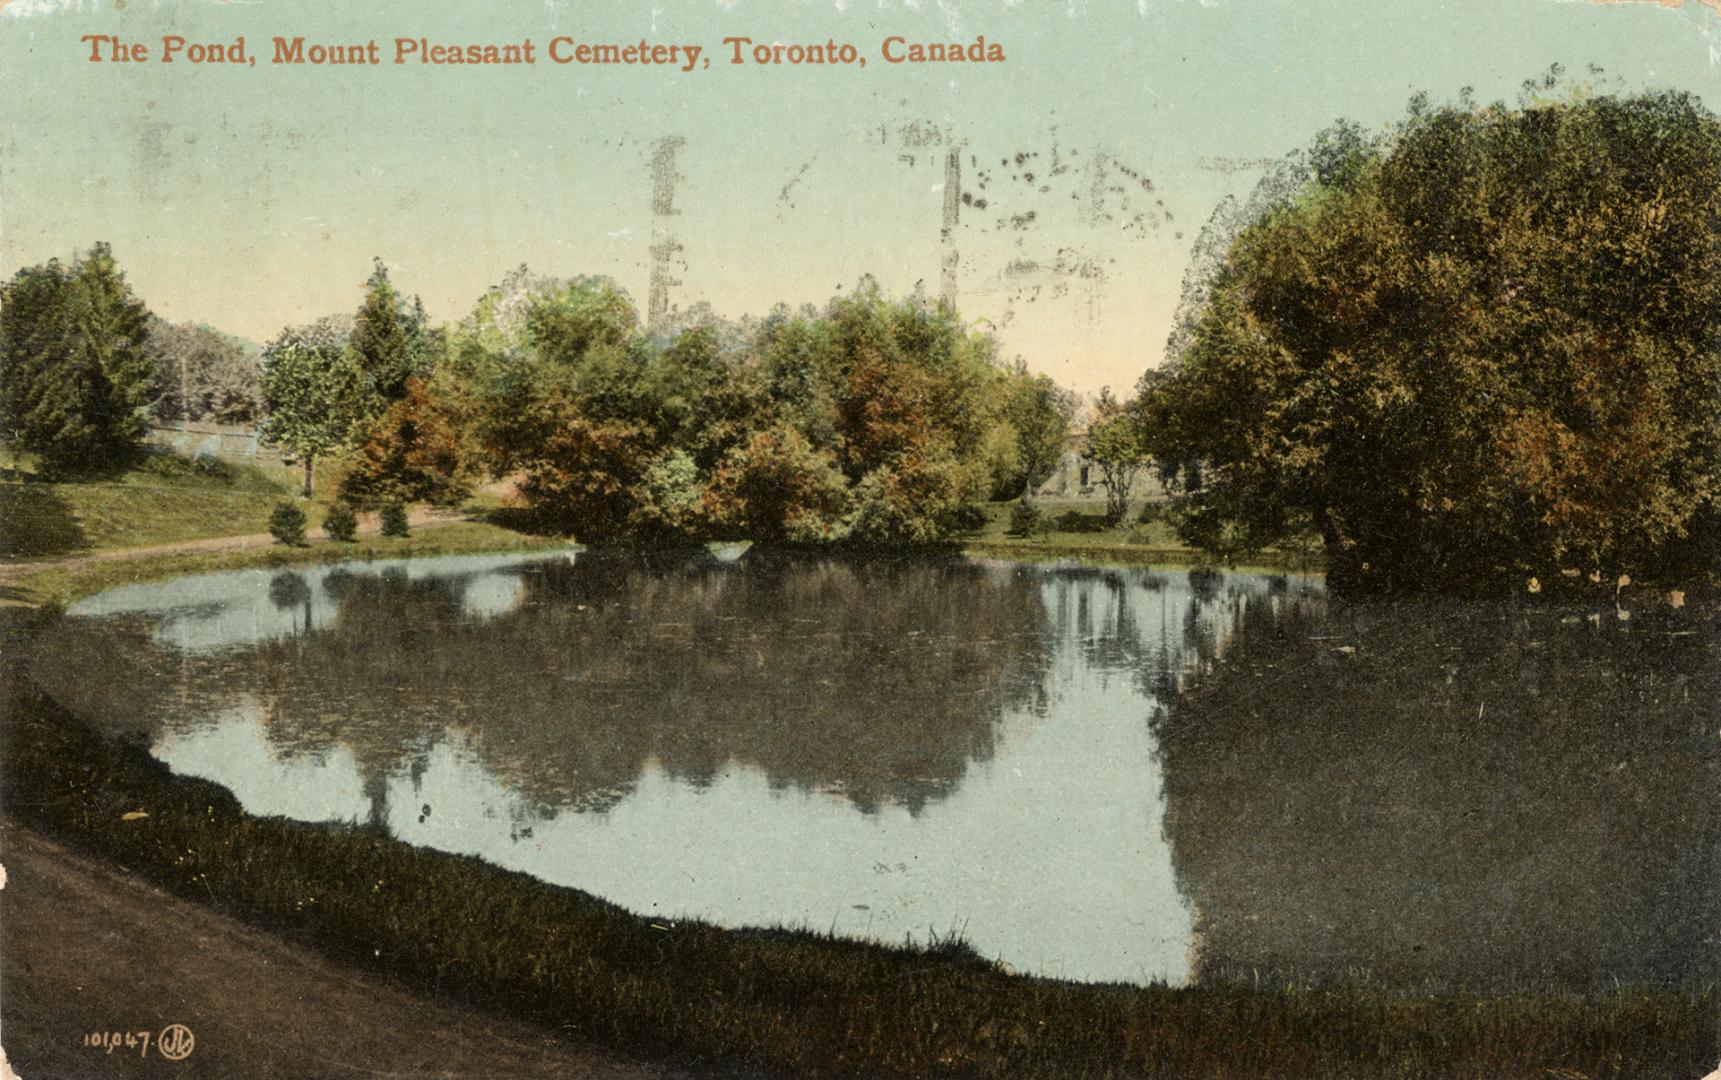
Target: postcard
x=888, y=538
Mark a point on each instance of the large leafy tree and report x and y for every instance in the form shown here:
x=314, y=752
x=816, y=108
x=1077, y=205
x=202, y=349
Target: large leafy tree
x=533, y=349
x=74, y=374
x=778, y=487
x=1484, y=347
x=613, y=433
x=315, y=393
x=902, y=397
x=594, y=422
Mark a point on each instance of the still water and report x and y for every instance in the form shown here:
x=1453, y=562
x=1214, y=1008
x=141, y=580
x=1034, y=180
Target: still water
x=1105, y=775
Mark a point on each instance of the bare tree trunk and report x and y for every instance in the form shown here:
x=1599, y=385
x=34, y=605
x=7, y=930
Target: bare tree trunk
x=310, y=463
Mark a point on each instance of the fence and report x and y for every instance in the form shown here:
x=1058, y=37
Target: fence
x=230, y=443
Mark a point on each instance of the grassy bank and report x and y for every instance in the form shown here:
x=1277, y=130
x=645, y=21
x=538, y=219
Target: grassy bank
x=1075, y=529
x=166, y=499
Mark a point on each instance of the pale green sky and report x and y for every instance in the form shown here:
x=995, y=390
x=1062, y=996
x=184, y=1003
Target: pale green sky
x=255, y=196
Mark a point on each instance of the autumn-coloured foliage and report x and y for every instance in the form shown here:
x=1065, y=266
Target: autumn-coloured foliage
x=585, y=476
x=914, y=398
x=872, y=420
x=777, y=487
x=413, y=453
x=1485, y=347
x=885, y=412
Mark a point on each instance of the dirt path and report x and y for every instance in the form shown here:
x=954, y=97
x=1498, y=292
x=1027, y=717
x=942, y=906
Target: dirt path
x=421, y=518
x=85, y=947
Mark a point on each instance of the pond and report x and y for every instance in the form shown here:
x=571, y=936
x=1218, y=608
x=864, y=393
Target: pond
x=1104, y=775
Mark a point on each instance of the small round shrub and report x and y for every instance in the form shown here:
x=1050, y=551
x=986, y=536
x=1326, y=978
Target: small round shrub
x=394, y=519
x=341, y=523
x=287, y=524
x=1024, y=518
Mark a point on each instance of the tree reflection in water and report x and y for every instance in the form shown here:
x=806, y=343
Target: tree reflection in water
x=1448, y=793
x=614, y=661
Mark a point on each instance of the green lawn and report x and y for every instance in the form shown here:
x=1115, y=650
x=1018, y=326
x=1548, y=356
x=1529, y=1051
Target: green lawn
x=165, y=500
x=1076, y=528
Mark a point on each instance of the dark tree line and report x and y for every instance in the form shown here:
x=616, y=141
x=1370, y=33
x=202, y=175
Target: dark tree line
x=1482, y=348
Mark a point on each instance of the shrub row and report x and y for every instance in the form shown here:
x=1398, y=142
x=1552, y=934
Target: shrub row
x=340, y=523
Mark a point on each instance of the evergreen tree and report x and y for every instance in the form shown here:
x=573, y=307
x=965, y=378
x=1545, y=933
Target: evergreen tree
x=387, y=337
x=74, y=376
x=34, y=346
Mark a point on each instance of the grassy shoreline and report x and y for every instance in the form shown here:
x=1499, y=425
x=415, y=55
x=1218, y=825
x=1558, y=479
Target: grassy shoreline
x=165, y=498
x=752, y=1001
x=1161, y=556
x=73, y=579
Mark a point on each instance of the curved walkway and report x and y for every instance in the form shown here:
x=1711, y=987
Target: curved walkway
x=86, y=947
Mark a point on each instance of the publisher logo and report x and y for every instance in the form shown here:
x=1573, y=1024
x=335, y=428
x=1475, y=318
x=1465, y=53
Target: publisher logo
x=175, y=1042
